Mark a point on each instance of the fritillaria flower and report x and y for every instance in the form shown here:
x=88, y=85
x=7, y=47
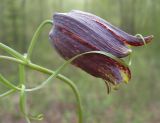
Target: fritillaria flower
x=77, y=32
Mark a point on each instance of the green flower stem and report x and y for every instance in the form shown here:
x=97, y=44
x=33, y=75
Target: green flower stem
x=12, y=59
x=7, y=83
x=36, y=35
x=7, y=93
x=21, y=74
x=12, y=52
x=22, y=103
x=50, y=72
x=23, y=98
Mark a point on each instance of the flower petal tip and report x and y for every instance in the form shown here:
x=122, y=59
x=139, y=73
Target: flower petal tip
x=129, y=51
x=139, y=40
x=148, y=38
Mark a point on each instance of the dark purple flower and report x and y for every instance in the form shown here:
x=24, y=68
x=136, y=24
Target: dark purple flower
x=77, y=32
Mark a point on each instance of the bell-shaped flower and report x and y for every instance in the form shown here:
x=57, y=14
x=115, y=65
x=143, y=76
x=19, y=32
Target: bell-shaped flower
x=77, y=32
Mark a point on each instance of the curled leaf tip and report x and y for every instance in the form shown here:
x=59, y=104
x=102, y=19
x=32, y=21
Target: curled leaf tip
x=145, y=40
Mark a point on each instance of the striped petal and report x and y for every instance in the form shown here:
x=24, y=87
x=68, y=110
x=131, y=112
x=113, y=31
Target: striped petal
x=92, y=33
x=118, y=33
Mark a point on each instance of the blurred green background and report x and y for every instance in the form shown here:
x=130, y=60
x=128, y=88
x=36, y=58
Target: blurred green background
x=137, y=102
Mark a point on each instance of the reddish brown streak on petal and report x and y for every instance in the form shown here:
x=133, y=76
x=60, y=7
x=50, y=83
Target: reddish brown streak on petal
x=77, y=38
x=147, y=39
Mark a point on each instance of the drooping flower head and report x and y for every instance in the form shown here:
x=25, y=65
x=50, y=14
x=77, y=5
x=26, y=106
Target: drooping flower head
x=77, y=32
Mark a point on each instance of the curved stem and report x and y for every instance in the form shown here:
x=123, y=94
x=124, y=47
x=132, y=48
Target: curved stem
x=34, y=67
x=12, y=59
x=22, y=102
x=7, y=93
x=35, y=37
x=76, y=92
x=67, y=81
x=7, y=83
x=12, y=52
x=50, y=72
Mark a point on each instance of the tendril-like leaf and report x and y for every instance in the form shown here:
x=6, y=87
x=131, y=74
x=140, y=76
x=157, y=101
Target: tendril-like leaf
x=7, y=93
x=7, y=83
x=140, y=36
x=35, y=37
